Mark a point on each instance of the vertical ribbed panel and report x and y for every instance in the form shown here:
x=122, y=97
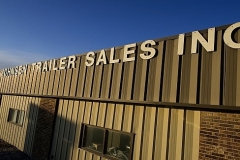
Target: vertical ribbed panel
x=81, y=77
x=51, y=82
x=65, y=141
x=74, y=79
x=42, y=83
x=216, y=71
x=95, y=93
x=161, y=131
x=205, y=83
x=118, y=118
x=37, y=82
x=148, y=133
x=191, y=145
x=109, y=115
x=170, y=78
x=60, y=138
x=155, y=75
x=175, y=137
x=89, y=81
x=238, y=74
x=128, y=116
x=127, y=80
x=140, y=77
x=56, y=80
x=116, y=77
x=46, y=82
x=185, y=72
x=67, y=82
x=61, y=82
x=19, y=136
x=106, y=78
x=80, y=117
x=137, y=130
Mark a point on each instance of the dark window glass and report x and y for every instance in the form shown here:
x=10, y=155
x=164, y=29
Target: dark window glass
x=118, y=145
x=94, y=138
x=15, y=116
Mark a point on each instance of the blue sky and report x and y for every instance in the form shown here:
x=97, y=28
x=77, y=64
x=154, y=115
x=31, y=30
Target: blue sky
x=32, y=31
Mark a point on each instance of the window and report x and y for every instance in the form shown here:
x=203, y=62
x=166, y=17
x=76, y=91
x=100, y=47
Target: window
x=16, y=116
x=106, y=142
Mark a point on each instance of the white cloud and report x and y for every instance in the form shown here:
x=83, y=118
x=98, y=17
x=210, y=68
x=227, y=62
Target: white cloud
x=12, y=58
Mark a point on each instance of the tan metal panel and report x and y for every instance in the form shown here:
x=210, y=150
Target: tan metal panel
x=116, y=76
x=56, y=81
x=174, y=76
x=8, y=84
x=94, y=113
x=193, y=79
x=118, y=118
x=12, y=138
x=38, y=80
x=128, y=116
x=86, y=119
x=51, y=82
x=72, y=130
x=3, y=116
x=3, y=119
x=109, y=117
x=81, y=112
x=46, y=81
x=32, y=80
x=97, y=77
x=216, y=71
x=185, y=72
x=154, y=75
x=176, y=132
x=35, y=109
x=66, y=142
x=24, y=81
x=238, y=74
x=19, y=130
x=41, y=83
x=61, y=129
x=25, y=124
x=81, y=77
x=137, y=130
x=161, y=131
x=192, y=135
x=93, y=121
x=88, y=82
x=61, y=82
x=148, y=133
x=230, y=76
x=74, y=79
x=102, y=114
x=127, y=80
x=168, y=61
x=57, y=127
x=205, y=83
x=139, y=77
x=66, y=90
x=106, y=78
x=27, y=77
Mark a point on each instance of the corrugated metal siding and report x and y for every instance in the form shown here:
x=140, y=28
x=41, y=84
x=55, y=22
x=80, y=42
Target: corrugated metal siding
x=19, y=136
x=159, y=132
x=202, y=78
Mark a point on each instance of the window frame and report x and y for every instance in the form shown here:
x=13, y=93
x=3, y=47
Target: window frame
x=105, y=141
x=17, y=121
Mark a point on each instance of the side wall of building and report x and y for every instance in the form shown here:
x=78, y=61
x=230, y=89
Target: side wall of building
x=20, y=136
x=160, y=133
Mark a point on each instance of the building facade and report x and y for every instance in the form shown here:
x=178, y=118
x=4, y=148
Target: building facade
x=174, y=98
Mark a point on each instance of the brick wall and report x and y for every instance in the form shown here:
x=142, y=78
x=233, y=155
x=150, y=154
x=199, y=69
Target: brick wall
x=219, y=136
x=44, y=128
